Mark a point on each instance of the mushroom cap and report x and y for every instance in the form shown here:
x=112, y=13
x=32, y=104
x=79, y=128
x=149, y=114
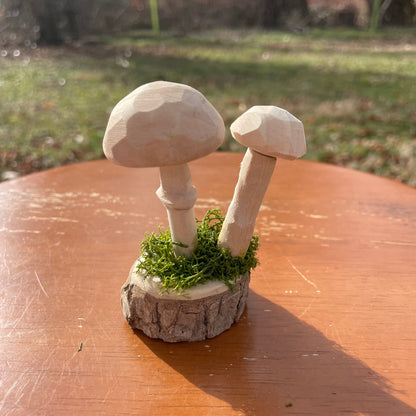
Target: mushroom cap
x=271, y=131
x=162, y=124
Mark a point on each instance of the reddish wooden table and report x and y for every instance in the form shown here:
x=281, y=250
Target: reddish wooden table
x=330, y=327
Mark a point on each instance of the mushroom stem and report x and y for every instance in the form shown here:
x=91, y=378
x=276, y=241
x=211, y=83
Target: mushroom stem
x=178, y=195
x=237, y=230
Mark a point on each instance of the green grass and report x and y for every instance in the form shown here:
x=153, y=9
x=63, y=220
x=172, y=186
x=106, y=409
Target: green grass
x=354, y=91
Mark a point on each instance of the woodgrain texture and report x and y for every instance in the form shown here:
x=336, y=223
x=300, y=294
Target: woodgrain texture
x=178, y=195
x=181, y=319
x=165, y=124
x=330, y=320
x=162, y=124
x=255, y=173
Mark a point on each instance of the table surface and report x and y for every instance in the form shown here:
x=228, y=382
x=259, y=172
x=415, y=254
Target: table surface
x=330, y=323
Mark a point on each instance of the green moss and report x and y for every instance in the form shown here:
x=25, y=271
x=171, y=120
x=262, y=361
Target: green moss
x=208, y=262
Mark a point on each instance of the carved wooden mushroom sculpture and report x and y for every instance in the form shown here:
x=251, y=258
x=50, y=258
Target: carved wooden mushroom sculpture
x=165, y=124
x=269, y=132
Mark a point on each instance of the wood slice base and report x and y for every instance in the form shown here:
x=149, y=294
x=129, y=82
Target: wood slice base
x=176, y=318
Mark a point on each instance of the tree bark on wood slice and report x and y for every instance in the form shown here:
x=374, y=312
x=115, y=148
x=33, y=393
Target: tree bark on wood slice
x=202, y=312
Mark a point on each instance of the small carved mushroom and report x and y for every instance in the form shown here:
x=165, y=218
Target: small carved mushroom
x=164, y=124
x=269, y=132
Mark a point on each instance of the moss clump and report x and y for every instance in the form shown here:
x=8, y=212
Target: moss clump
x=208, y=262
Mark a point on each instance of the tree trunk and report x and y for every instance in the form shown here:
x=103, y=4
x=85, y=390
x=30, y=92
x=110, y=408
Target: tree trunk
x=270, y=12
x=397, y=12
x=71, y=12
x=283, y=13
x=49, y=23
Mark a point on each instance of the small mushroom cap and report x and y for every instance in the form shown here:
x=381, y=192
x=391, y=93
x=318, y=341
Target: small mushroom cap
x=162, y=124
x=271, y=131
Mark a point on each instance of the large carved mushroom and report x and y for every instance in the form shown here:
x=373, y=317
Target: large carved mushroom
x=165, y=124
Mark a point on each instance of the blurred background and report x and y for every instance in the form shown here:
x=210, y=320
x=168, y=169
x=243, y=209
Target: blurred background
x=346, y=68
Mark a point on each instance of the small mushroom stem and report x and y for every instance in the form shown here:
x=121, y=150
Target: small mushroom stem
x=237, y=230
x=178, y=195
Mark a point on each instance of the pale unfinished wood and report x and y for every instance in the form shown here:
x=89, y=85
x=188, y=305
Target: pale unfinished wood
x=178, y=195
x=269, y=132
x=165, y=124
x=237, y=230
x=162, y=124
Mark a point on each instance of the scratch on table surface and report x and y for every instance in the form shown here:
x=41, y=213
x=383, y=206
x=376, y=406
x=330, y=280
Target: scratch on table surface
x=17, y=387
x=16, y=322
x=321, y=237
x=279, y=225
x=60, y=201
x=103, y=330
x=305, y=311
x=8, y=230
x=395, y=243
x=3, y=402
x=34, y=386
x=264, y=208
x=5, y=263
x=208, y=203
x=43, y=373
x=334, y=328
x=52, y=219
x=108, y=212
x=314, y=216
x=303, y=276
x=40, y=284
x=267, y=226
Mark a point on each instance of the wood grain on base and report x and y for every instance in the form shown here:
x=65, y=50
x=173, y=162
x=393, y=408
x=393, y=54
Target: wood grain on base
x=182, y=319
